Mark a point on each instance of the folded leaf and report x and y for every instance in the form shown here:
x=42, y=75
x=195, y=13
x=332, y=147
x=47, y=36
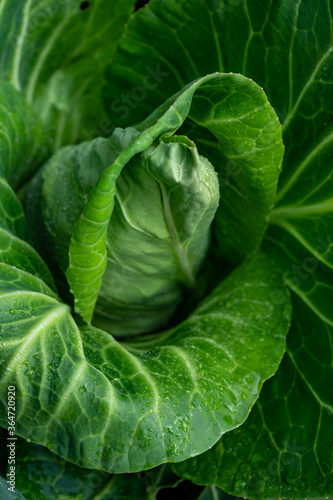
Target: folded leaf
x=54, y=207
x=236, y=110
x=158, y=236
x=155, y=243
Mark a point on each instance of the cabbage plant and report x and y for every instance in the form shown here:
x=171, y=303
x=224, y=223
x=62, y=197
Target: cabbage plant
x=165, y=249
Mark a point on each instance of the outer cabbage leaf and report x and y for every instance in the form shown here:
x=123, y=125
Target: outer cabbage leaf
x=55, y=52
x=107, y=406
x=21, y=137
x=19, y=153
x=234, y=109
x=103, y=405
x=284, y=447
x=158, y=234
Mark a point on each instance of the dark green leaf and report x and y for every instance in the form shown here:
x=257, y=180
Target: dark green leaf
x=105, y=406
x=20, y=139
x=55, y=53
x=284, y=449
x=20, y=134
x=41, y=475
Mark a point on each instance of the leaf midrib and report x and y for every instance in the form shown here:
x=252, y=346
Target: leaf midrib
x=305, y=89
x=303, y=165
x=179, y=250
